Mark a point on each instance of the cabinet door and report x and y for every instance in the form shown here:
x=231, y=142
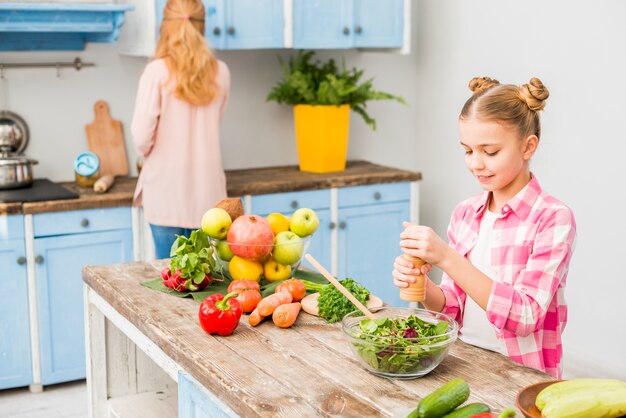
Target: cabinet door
x=378, y=24
x=194, y=401
x=322, y=24
x=60, y=260
x=287, y=203
x=369, y=243
x=15, y=360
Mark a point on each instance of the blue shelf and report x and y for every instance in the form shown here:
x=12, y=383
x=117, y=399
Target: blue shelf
x=58, y=27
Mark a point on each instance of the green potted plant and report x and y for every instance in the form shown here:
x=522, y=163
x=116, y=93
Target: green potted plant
x=322, y=96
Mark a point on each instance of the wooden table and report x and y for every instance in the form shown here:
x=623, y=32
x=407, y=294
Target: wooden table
x=147, y=353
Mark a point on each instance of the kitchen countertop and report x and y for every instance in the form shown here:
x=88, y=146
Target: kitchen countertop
x=306, y=370
x=239, y=182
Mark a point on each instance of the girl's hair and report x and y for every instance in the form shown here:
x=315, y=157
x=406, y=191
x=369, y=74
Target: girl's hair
x=182, y=45
x=507, y=103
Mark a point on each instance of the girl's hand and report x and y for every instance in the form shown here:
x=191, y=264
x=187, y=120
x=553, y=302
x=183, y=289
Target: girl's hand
x=404, y=270
x=421, y=241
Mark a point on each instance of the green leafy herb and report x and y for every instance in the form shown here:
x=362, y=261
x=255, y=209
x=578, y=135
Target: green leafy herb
x=317, y=83
x=332, y=304
x=193, y=257
x=400, y=345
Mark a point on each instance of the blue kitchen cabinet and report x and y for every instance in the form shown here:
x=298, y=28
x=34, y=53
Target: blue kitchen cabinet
x=287, y=203
x=370, y=222
x=194, y=401
x=15, y=354
x=64, y=243
x=340, y=24
x=241, y=24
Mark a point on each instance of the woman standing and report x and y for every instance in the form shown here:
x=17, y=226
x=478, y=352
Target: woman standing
x=180, y=102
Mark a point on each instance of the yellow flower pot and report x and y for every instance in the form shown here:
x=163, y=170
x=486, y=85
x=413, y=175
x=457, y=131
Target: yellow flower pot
x=322, y=137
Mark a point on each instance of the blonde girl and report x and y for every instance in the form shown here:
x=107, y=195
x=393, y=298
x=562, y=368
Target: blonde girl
x=180, y=102
x=506, y=263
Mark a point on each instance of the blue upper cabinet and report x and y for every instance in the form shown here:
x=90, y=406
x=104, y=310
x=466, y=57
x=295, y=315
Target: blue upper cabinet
x=338, y=24
x=58, y=26
x=245, y=24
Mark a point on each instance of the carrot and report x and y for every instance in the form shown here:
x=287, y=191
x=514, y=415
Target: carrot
x=255, y=318
x=268, y=304
x=293, y=286
x=285, y=315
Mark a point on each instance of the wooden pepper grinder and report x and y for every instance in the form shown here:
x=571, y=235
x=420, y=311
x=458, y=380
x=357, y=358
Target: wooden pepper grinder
x=416, y=291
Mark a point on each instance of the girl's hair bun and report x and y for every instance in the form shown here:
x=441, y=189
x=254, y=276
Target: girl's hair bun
x=480, y=84
x=534, y=93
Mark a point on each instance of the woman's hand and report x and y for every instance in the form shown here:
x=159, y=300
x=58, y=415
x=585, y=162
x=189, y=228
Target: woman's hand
x=404, y=271
x=422, y=242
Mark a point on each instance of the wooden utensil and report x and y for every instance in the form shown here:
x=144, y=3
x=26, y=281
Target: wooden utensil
x=105, y=138
x=339, y=286
x=416, y=291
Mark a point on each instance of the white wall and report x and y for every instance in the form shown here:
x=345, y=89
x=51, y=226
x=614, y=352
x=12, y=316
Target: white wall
x=575, y=47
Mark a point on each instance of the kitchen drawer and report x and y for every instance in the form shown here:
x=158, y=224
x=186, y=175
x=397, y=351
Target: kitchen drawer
x=82, y=221
x=11, y=227
x=373, y=194
x=289, y=202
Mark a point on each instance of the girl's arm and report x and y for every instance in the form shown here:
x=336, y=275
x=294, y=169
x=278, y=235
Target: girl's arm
x=147, y=110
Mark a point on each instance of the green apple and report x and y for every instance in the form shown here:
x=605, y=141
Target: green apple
x=288, y=248
x=215, y=223
x=274, y=271
x=304, y=222
x=223, y=251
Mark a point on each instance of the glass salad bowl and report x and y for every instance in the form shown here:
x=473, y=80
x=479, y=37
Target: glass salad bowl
x=272, y=262
x=402, y=343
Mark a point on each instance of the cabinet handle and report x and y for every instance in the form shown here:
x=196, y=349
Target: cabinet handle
x=377, y=196
x=84, y=223
x=230, y=30
x=346, y=30
x=217, y=31
x=294, y=204
x=358, y=29
x=342, y=225
x=332, y=225
x=21, y=260
x=39, y=259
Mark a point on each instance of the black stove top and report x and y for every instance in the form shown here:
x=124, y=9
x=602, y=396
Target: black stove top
x=41, y=189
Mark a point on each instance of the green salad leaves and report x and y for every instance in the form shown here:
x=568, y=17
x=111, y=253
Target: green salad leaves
x=332, y=304
x=400, y=345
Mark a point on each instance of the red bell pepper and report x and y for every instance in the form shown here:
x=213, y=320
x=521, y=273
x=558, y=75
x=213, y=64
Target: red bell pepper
x=220, y=314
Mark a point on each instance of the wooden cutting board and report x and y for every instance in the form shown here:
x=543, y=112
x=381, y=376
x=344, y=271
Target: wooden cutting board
x=105, y=138
x=309, y=303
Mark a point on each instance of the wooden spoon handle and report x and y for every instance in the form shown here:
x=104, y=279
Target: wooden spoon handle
x=416, y=291
x=339, y=286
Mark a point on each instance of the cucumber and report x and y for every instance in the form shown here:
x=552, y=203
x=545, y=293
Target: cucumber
x=468, y=410
x=559, y=389
x=443, y=400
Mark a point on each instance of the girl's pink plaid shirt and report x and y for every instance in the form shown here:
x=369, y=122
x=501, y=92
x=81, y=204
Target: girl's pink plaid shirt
x=535, y=237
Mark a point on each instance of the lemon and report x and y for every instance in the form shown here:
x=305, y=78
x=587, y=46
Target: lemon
x=242, y=269
x=278, y=222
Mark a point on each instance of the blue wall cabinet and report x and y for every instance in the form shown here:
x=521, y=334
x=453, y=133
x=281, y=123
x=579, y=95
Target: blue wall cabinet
x=287, y=203
x=15, y=354
x=64, y=243
x=338, y=24
x=244, y=24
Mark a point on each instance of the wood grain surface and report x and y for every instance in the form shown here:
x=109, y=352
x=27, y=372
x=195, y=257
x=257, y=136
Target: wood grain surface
x=105, y=138
x=239, y=183
x=306, y=370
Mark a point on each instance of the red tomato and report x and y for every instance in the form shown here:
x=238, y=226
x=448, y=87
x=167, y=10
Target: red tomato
x=249, y=293
x=293, y=286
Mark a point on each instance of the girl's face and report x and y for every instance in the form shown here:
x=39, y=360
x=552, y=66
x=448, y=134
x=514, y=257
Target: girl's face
x=496, y=155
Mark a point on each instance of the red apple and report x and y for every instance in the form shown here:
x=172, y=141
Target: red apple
x=250, y=237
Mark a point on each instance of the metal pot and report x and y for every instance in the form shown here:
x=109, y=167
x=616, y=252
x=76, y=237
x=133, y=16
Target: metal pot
x=16, y=172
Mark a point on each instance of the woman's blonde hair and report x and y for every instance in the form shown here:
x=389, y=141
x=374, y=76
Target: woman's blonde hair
x=517, y=106
x=182, y=45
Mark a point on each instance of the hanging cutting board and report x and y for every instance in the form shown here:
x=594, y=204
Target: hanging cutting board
x=105, y=138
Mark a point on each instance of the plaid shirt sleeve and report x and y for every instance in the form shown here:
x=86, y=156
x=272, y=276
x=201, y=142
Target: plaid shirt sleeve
x=521, y=307
x=455, y=296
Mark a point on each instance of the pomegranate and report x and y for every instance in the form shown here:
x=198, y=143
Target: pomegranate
x=250, y=237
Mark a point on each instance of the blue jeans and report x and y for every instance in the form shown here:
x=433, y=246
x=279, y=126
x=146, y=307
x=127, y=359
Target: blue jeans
x=164, y=237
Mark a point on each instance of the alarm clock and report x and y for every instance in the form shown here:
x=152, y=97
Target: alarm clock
x=87, y=169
